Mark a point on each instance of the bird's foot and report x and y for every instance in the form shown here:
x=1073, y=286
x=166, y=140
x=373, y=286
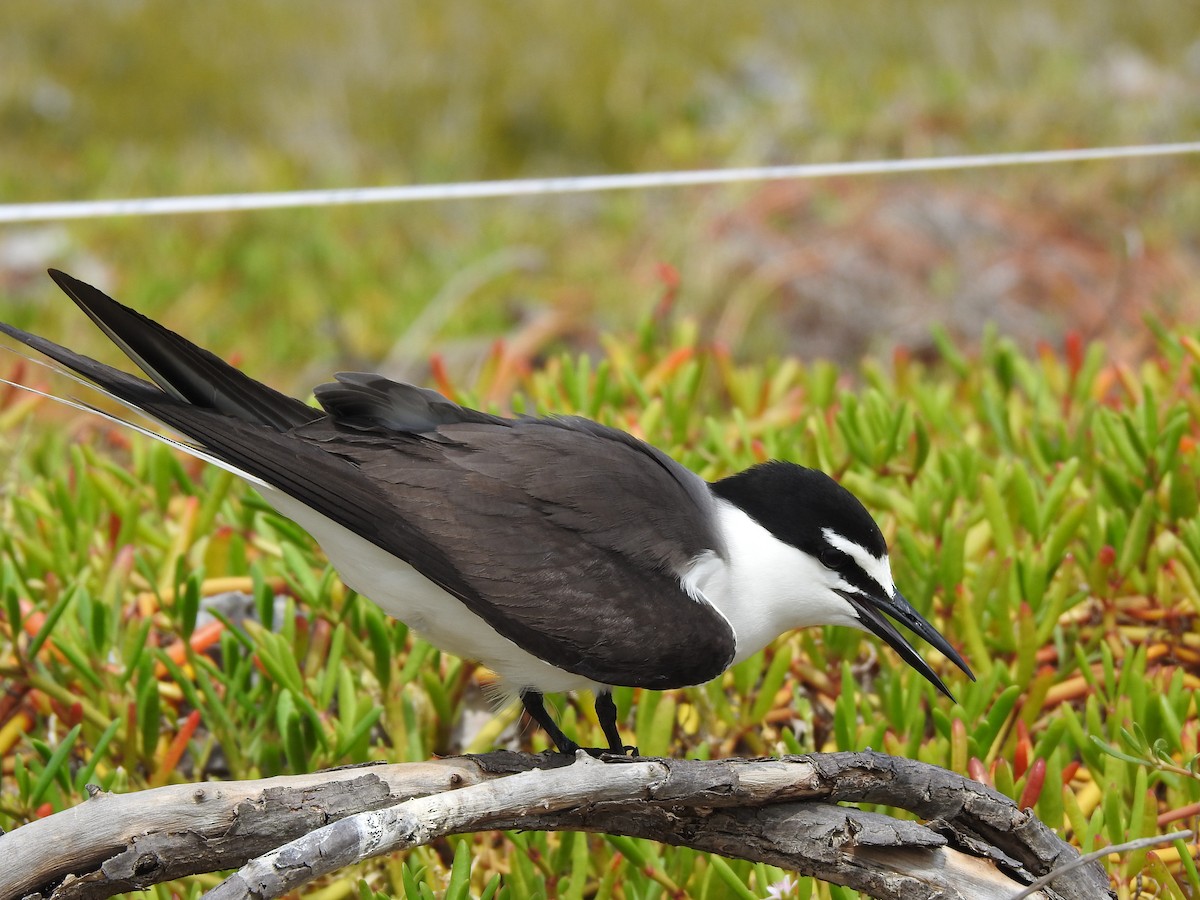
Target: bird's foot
x=606, y=712
x=626, y=751
x=570, y=748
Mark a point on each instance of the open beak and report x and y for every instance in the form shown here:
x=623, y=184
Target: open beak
x=870, y=611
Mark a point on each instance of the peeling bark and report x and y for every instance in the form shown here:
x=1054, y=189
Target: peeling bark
x=974, y=844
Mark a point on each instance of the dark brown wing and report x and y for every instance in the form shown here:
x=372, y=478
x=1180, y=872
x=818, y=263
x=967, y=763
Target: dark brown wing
x=565, y=536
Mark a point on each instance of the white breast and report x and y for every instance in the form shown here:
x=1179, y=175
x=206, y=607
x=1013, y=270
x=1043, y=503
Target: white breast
x=765, y=587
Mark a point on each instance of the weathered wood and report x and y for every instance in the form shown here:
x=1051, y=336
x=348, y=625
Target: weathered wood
x=118, y=842
x=285, y=831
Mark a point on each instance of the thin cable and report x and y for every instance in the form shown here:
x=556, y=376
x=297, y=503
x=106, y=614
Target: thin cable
x=161, y=206
x=1139, y=844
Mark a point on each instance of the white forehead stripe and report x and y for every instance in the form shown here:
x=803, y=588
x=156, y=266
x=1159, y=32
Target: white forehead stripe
x=876, y=567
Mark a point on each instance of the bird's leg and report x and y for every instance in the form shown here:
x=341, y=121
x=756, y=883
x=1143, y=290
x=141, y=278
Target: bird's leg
x=606, y=712
x=535, y=705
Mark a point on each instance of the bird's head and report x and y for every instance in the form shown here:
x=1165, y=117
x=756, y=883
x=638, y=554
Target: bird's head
x=843, y=548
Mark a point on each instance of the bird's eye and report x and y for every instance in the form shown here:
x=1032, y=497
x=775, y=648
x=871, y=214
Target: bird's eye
x=830, y=558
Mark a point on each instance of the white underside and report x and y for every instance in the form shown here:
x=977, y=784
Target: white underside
x=439, y=617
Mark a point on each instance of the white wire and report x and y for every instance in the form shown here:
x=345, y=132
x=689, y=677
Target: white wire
x=159, y=206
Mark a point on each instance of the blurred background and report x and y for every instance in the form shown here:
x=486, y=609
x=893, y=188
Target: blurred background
x=1042, y=505
x=134, y=99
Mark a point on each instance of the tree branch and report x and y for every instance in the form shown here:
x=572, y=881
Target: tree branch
x=285, y=831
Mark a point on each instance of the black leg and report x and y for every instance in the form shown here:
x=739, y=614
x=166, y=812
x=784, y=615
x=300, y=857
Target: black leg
x=534, y=705
x=606, y=712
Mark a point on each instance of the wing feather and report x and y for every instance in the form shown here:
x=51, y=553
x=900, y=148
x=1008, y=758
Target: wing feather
x=568, y=537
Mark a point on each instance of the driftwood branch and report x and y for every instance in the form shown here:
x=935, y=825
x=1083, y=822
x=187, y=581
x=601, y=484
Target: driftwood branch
x=285, y=831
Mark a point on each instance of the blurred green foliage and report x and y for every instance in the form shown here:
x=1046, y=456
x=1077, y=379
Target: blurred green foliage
x=167, y=97
x=129, y=99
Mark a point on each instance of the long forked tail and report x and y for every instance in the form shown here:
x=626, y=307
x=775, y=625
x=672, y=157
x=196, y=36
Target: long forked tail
x=229, y=419
x=182, y=373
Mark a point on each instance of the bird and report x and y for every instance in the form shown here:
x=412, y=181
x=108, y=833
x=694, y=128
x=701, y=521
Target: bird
x=561, y=553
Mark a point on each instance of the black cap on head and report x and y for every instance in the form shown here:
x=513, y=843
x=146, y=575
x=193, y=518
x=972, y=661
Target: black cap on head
x=796, y=504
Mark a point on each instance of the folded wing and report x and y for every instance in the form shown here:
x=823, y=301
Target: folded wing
x=567, y=537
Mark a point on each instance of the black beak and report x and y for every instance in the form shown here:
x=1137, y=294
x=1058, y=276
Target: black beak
x=870, y=611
